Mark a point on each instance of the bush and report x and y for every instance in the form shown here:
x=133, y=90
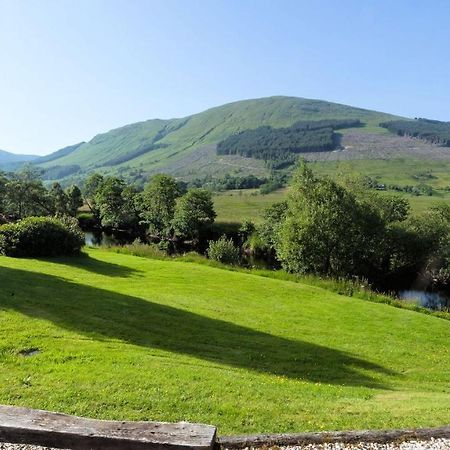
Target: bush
x=224, y=251
x=41, y=236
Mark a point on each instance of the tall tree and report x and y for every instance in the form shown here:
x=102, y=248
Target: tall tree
x=25, y=195
x=158, y=205
x=75, y=200
x=116, y=204
x=194, y=211
x=91, y=186
x=327, y=230
x=59, y=199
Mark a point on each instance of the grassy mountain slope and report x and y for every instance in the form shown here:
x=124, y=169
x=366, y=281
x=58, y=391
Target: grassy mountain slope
x=173, y=144
x=118, y=336
x=9, y=161
x=58, y=154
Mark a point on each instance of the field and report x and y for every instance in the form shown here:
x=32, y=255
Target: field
x=237, y=205
x=109, y=335
x=234, y=206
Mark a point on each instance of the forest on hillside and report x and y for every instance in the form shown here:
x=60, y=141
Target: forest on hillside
x=279, y=146
x=432, y=131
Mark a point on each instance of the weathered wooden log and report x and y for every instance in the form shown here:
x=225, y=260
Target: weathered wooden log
x=375, y=436
x=30, y=426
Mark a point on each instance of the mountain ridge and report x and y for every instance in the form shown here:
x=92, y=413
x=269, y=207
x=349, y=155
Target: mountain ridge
x=186, y=146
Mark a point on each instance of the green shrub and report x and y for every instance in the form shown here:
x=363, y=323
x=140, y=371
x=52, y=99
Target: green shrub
x=41, y=236
x=224, y=251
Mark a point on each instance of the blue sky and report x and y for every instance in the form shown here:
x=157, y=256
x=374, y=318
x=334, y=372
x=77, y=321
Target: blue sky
x=72, y=69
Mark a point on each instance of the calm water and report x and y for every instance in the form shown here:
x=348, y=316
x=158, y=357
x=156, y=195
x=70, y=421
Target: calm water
x=98, y=238
x=430, y=300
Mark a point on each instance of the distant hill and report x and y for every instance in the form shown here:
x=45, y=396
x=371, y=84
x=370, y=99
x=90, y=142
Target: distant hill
x=186, y=147
x=58, y=154
x=10, y=161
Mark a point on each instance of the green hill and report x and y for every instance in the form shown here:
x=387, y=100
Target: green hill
x=10, y=161
x=117, y=336
x=186, y=147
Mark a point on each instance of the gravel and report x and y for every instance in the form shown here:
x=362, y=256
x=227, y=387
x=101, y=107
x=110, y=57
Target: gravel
x=432, y=444
x=6, y=446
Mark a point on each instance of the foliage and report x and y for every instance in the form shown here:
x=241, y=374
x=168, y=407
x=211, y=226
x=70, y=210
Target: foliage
x=326, y=230
x=193, y=213
x=430, y=130
x=271, y=185
x=246, y=229
x=273, y=217
x=91, y=186
x=22, y=194
x=346, y=230
x=74, y=200
x=421, y=189
x=223, y=250
x=41, y=236
x=278, y=144
x=421, y=243
x=25, y=195
x=117, y=204
x=158, y=203
x=59, y=198
x=58, y=172
x=228, y=182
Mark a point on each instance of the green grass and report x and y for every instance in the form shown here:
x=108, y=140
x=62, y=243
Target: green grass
x=401, y=171
x=237, y=205
x=135, y=338
x=234, y=206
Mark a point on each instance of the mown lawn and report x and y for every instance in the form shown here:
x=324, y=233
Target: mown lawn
x=125, y=337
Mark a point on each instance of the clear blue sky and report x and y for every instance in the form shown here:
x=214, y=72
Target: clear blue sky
x=72, y=69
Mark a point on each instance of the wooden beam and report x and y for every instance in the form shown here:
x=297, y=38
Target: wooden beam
x=31, y=426
x=346, y=437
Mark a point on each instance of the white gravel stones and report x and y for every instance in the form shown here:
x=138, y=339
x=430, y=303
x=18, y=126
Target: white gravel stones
x=432, y=444
x=5, y=446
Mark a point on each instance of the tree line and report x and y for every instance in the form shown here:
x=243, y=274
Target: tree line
x=432, y=131
x=23, y=194
x=163, y=211
x=279, y=146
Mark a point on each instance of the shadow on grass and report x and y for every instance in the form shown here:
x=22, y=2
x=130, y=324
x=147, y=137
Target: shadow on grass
x=86, y=262
x=102, y=314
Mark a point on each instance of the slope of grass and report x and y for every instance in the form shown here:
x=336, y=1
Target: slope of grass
x=182, y=136
x=132, y=338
